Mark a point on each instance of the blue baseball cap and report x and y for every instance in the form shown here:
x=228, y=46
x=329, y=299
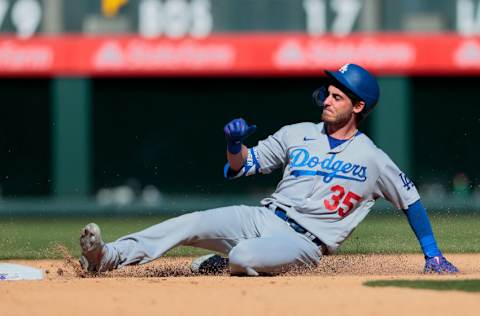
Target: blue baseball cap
x=359, y=82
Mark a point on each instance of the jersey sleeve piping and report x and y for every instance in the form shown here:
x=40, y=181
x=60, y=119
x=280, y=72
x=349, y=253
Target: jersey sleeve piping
x=250, y=167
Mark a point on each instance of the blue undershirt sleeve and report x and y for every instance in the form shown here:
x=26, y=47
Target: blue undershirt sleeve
x=420, y=224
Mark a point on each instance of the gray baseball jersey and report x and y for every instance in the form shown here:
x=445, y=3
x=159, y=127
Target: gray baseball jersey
x=328, y=191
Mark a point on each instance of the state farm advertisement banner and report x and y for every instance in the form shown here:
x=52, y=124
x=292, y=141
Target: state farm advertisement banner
x=239, y=55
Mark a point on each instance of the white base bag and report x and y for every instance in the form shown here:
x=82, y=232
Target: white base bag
x=15, y=272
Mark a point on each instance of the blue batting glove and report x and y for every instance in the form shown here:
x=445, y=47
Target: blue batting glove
x=235, y=132
x=439, y=264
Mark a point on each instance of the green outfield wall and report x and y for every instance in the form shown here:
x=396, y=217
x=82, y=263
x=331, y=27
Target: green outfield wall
x=71, y=137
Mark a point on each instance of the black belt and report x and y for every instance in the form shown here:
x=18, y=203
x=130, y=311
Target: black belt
x=301, y=230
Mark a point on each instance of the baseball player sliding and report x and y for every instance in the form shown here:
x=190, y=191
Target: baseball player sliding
x=332, y=175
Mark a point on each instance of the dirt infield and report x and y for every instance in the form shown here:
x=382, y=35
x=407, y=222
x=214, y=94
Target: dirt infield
x=166, y=287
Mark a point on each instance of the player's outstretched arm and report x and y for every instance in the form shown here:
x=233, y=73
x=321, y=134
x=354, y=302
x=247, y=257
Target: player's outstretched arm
x=236, y=131
x=237, y=160
x=420, y=224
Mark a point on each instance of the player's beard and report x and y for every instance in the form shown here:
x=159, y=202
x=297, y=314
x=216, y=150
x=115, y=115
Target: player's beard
x=337, y=119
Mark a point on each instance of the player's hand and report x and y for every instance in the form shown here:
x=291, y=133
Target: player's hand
x=439, y=264
x=237, y=130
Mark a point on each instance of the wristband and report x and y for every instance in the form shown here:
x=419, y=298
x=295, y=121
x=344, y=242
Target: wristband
x=234, y=147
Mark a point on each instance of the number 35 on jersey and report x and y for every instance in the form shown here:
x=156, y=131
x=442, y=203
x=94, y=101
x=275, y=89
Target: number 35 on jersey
x=340, y=201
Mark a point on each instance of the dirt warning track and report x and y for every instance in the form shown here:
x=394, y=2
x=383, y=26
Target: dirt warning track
x=167, y=287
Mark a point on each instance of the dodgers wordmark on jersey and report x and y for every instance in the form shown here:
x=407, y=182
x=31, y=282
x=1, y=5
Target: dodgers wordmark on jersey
x=328, y=191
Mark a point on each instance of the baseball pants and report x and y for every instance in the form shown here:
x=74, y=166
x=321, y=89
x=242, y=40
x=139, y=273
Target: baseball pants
x=254, y=238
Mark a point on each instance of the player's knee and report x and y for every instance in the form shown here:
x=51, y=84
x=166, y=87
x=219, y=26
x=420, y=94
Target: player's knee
x=194, y=219
x=242, y=260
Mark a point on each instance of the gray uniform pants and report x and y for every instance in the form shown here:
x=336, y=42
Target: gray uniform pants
x=254, y=238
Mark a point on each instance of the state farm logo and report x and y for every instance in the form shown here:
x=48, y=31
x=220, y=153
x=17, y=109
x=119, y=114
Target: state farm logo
x=468, y=54
x=110, y=55
x=329, y=53
x=290, y=54
x=25, y=57
x=163, y=55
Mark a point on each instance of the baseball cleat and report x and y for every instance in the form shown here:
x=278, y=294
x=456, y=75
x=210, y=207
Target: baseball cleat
x=209, y=264
x=440, y=265
x=92, y=248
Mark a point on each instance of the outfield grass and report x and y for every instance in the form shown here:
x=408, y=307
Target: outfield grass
x=36, y=238
x=455, y=233
x=438, y=285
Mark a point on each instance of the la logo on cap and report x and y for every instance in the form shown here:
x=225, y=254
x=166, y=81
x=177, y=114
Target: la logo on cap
x=344, y=68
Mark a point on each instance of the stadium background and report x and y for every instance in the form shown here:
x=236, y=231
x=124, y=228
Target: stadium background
x=135, y=134
x=113, y=112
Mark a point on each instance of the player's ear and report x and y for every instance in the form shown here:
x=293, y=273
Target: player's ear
x=358, y=107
